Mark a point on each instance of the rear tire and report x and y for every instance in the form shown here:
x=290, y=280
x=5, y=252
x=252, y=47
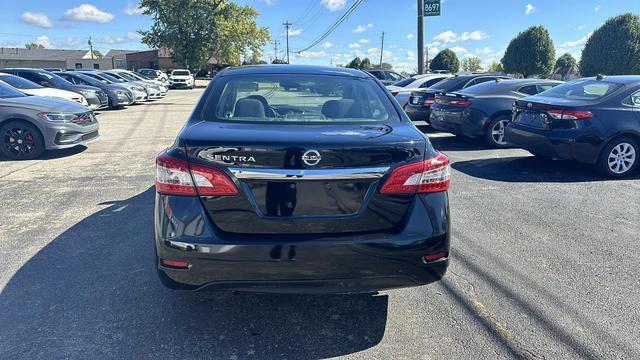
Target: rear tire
x=20, y=140
x=494, y=135
x=618, y=158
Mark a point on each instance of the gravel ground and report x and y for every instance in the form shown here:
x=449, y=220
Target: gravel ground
x=544, y=265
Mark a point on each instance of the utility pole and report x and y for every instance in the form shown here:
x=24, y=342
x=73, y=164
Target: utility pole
x=420, y=36
x=287, y=24
x=275, y=49
x=91, y=47
x=381, y=49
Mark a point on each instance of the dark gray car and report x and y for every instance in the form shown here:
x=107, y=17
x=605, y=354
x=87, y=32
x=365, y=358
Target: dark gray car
x=483, y=110
x=96, y=98
x=29, y=125
x=118, y=95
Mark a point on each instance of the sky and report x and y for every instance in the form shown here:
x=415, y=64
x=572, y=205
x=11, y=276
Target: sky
x=468, y=27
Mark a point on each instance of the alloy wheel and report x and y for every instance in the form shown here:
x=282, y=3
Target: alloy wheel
x=19, y=142
x=621, y=158
x=497, y=132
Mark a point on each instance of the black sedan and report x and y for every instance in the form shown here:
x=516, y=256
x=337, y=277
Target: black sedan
x=290, y=191
x=419, y=106
x=482, y=111
x=592, y=120
x=96, y=98
x=118, y=96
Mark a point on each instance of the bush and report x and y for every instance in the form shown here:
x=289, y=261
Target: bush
x=566, y=65
x=530, y=53
x=445, y=60
x=614, y=48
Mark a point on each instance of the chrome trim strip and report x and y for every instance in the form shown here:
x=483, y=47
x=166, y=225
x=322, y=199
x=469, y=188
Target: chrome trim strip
x=307, y=174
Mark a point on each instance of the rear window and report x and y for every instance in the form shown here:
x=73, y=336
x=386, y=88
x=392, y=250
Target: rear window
x=404, y=82
x=582, y=90
x=450, y=84
x=299, y=98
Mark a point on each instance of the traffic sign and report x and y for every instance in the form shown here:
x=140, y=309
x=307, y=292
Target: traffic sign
x=431, y=7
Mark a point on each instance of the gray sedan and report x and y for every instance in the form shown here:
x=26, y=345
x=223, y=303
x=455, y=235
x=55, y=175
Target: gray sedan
x=29, y=125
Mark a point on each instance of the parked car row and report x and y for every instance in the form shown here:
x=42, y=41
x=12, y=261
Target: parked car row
x=592, y=120
x=41, y=109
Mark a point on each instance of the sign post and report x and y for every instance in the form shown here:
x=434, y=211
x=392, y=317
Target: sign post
x=425, y=8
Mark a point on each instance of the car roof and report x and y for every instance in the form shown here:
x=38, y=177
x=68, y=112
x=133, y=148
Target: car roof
x=495, y=87
x=293, y=69
x=620, y=79
x=26, y=69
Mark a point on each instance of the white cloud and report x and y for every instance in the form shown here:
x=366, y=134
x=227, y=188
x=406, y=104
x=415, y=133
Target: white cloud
x=268, y=2
x=409, y=36
x=89, y=13
x=362, y=28
x=474, y=35
x=458, y=50
x=581, y=27
x=576, y=43
x=133, y=9
x=314, y=54
x=112, y=40
x=73, y=41
x=354, y=45
x=327, y=45
x=44, y=41
x=411, y=55
x=376, y=52
x=131, y=35
x=484, y=51
x=294, y=32
x=334, y=5
x=37, y=19
x=363, y=41
x=529, y=9
x=597, y=8
x=451, y=37
x=445, y=37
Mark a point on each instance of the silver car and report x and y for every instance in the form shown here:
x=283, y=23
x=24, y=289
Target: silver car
x=29, y=125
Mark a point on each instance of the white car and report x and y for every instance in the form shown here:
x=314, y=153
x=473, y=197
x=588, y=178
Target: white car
x=31, y=88
x=161, y=86
x=181, y=78
x=154, y=74
x=403, y=88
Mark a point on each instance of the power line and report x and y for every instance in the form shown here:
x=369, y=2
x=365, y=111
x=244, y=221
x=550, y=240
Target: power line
x=344, y=17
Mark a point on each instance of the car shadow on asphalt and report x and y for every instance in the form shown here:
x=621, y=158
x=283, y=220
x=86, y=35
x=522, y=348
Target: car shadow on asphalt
x=93, y=292
x=455, y=143
x=54, y=154
x=531, y=169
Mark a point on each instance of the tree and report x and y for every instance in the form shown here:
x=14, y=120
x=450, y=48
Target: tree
x=195, y=30
x=495, y=67
x=530, y=53
x=365, y=64
x=33, y=46
x=446, y=60
x=386, y=66
x=354, y=64
x=566, y=65
x=471, y=64
x=614, y=48
x=97, y=54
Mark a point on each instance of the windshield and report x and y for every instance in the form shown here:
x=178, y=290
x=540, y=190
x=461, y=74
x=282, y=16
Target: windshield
x=7, y=91
x=55, y=79
x=126, y=76
x=404, y=82
x=113, y=77
x=18, y=82
x=180, y=73
x=300, y=98
x=582, y=90
x=135, y=76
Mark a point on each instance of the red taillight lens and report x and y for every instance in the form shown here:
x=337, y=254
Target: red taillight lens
x=428, y=101
x=431, y=175
x=569, y=115
x=173, y=178
x=175, y=264
x=434, y=257
x=460, y=103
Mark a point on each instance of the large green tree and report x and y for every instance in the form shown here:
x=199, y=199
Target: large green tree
x=530, y=53
x=614, y=48
x=445, y=60
x=195, y=30
x=495, y=67
x=471, y=64
x=354, y=64
x=566, y=65
x=33, y=46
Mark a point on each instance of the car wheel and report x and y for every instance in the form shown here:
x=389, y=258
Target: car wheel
x=21, y=141
x=494, y=135
x=618, y=158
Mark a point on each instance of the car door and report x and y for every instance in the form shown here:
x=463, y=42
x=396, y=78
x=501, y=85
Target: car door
x=634, y=102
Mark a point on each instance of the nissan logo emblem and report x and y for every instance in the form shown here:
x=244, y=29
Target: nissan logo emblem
x=311, y=157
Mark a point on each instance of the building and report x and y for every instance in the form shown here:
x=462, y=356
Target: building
x=51, y=58
x=153, y=59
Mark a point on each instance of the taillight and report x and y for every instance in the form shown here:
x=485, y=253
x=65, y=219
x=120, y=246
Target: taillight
x=569, y=115
x=173, y=178
x=431, y=175
x=428, y=101
x=460, y=103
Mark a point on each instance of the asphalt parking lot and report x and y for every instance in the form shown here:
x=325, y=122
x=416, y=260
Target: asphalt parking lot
x=544, y=265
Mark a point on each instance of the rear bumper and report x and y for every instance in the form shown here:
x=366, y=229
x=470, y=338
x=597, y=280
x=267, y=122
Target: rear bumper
x=305, y=263
x=566, y=145
x=468, y=122
x=417, y=113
